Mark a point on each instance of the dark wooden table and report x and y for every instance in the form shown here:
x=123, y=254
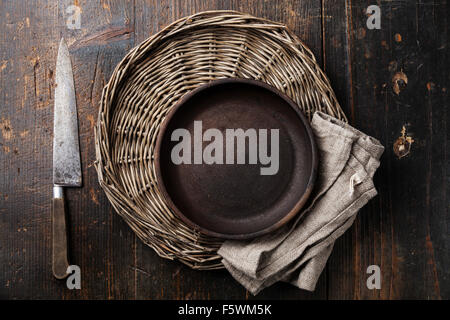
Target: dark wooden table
x=385, y=79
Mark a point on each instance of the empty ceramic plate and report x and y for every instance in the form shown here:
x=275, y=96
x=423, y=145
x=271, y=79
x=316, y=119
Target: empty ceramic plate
x=235, y=158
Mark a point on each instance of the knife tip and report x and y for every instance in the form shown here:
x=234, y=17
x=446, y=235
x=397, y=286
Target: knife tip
x=63, y=45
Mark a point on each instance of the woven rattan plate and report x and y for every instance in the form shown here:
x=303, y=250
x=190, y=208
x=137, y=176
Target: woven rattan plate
x=150, y=80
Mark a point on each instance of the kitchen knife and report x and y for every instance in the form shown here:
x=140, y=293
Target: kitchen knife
x=66, y=156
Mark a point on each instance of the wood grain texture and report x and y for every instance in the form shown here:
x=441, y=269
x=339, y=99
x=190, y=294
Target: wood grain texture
x=336, y=41
x=401, y=230
x=404, y=230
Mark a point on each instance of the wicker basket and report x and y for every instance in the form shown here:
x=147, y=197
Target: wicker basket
x=150, y=80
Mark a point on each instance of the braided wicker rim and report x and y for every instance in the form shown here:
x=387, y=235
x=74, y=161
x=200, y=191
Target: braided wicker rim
x=149, y=81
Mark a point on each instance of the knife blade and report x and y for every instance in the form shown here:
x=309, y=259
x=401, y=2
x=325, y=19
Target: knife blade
x=66, y=156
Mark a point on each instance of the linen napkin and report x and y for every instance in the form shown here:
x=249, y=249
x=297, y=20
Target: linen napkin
x=297, y=252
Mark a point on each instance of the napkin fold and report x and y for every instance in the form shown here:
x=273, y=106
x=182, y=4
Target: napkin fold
x=298, y=252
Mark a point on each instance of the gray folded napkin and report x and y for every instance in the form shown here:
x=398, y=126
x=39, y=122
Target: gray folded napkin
x=298, y=252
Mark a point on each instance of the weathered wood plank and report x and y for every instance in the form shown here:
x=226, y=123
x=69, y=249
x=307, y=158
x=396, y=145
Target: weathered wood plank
x=100, y=243
x=401, y=228
x=337, y=39
x=26, y=126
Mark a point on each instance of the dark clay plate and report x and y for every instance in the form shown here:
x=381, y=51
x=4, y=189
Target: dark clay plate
x=236, y=201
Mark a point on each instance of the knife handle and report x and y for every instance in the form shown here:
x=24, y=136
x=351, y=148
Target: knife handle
x=59, y=255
